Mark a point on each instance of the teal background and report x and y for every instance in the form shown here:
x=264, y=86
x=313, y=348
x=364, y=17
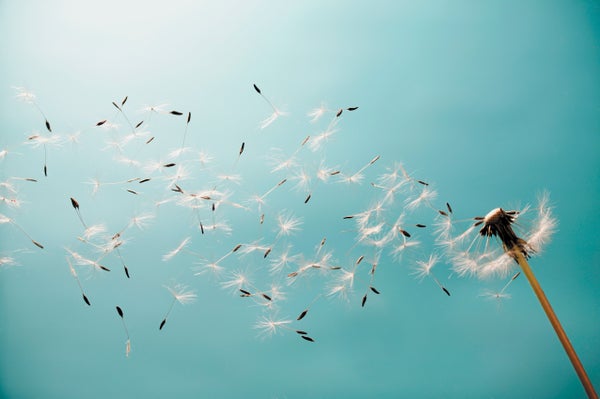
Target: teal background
x=490, y=102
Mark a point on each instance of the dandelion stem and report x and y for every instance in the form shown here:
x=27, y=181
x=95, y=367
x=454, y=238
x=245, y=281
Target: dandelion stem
x=562, y=336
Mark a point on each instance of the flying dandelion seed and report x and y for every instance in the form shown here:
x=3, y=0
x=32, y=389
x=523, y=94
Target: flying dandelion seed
x=276, y=112
x=180, y=294
x=169, y=255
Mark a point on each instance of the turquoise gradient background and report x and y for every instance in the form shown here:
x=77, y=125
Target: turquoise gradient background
x=491, y=102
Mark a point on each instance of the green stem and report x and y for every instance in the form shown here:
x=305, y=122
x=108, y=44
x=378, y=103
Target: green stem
x=562, y=336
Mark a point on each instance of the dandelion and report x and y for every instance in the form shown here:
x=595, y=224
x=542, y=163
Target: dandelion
x=499, y=223
x=180, y=294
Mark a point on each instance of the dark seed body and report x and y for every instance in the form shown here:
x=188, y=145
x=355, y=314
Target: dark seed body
x=304, y=312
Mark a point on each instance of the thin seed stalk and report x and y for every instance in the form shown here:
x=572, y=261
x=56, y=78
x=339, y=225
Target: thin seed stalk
x=560, y=332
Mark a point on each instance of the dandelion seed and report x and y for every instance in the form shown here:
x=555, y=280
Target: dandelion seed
x=287, y=224
x=180, y=294
x=74, y=274
x=317, y=113
x=128, y=342
x=423, y=270
x=168, y=256
x=276, y=112
x=5, y=219
x=127, y=348
x=176, y=113
x=269, y=326
x=302, y=314
x=78, y=211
